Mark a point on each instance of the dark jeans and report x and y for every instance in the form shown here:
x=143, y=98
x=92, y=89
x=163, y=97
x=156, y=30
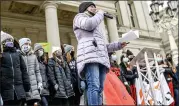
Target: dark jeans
x=44, y=100
x=74, y=100
x=13, y=103
x=31, y=102
x=176, y=97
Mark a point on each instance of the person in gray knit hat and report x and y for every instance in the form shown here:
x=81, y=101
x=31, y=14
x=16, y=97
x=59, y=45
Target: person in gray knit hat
x=44, y=92
x=92, y=51
x=67, y=48
x=75, y=79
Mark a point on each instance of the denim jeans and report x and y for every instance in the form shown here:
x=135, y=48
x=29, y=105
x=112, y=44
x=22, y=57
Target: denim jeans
x=44, y=101
x=176, y=97
x=95, y=74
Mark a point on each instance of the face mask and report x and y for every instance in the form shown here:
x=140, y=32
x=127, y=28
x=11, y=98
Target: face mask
x=91, y=13
x=125, y=59
x=169, y=58
x=159, y=59
x=25, y=48
x=114, y=57
x=9, y=44
x=40, y=53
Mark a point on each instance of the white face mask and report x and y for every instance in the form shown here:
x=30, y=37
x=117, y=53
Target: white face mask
x=159, y=59
x=114, y=57
x=25, y=48
x=125, y=59
x=40, y=53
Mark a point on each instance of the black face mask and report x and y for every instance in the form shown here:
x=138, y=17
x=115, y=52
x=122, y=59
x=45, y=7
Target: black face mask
x=72, y=54
x=130, y=59
x=169, y=58
x=91, y=13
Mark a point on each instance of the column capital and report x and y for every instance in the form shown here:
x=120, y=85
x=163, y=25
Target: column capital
x=50, y=5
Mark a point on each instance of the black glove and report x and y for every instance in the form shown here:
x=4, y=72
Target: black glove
x=136, y=76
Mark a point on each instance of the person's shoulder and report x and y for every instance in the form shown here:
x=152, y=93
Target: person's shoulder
x=51, y=61
x=19, y=52
x=80, y=15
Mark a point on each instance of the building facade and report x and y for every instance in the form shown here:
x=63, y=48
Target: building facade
x=51, y=21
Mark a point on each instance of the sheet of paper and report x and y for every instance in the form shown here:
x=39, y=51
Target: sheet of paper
x=131, y=35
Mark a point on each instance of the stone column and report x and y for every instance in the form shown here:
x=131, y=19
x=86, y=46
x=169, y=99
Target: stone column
x=113, y=34
x=52, y=27
x=173, y=46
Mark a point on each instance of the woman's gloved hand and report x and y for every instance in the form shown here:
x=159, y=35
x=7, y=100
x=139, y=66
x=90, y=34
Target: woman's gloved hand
x=40, y=87
x=83, y=85
x=56, y=87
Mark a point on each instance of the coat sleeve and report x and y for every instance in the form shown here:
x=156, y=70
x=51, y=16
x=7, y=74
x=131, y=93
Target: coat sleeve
x=130, y=77
x=88, y=23
x=52, y=78
x=170, y=72
x=37, y=71
x=126, y=76
x=25, y=76
x=67, y=71
x=111, y=47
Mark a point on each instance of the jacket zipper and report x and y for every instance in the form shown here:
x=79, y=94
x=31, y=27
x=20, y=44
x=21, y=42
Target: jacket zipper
x=28, y=73
x=13, y=74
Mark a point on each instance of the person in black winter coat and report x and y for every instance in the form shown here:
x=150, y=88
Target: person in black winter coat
x=60, y=78
x=75, y=79
x=170, y=77
x=14, y=78
x=44, y=92
x=126, y=72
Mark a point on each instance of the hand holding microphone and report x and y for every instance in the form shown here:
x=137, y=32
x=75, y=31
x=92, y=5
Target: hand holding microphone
x=106, y=14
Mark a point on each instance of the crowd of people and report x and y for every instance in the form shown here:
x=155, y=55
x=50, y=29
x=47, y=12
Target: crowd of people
x=30, y=77
x=127, y=73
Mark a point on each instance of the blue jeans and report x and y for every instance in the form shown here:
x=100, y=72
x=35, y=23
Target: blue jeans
x=44, y=101
x=95, y=74
x=176, y=97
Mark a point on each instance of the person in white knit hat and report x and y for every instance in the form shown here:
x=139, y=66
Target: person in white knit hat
x=32, y=64
x=14, y=78
x=5, y=36
x=60, y=78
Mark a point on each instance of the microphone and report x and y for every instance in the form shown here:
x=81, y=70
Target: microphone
x=107, y=15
